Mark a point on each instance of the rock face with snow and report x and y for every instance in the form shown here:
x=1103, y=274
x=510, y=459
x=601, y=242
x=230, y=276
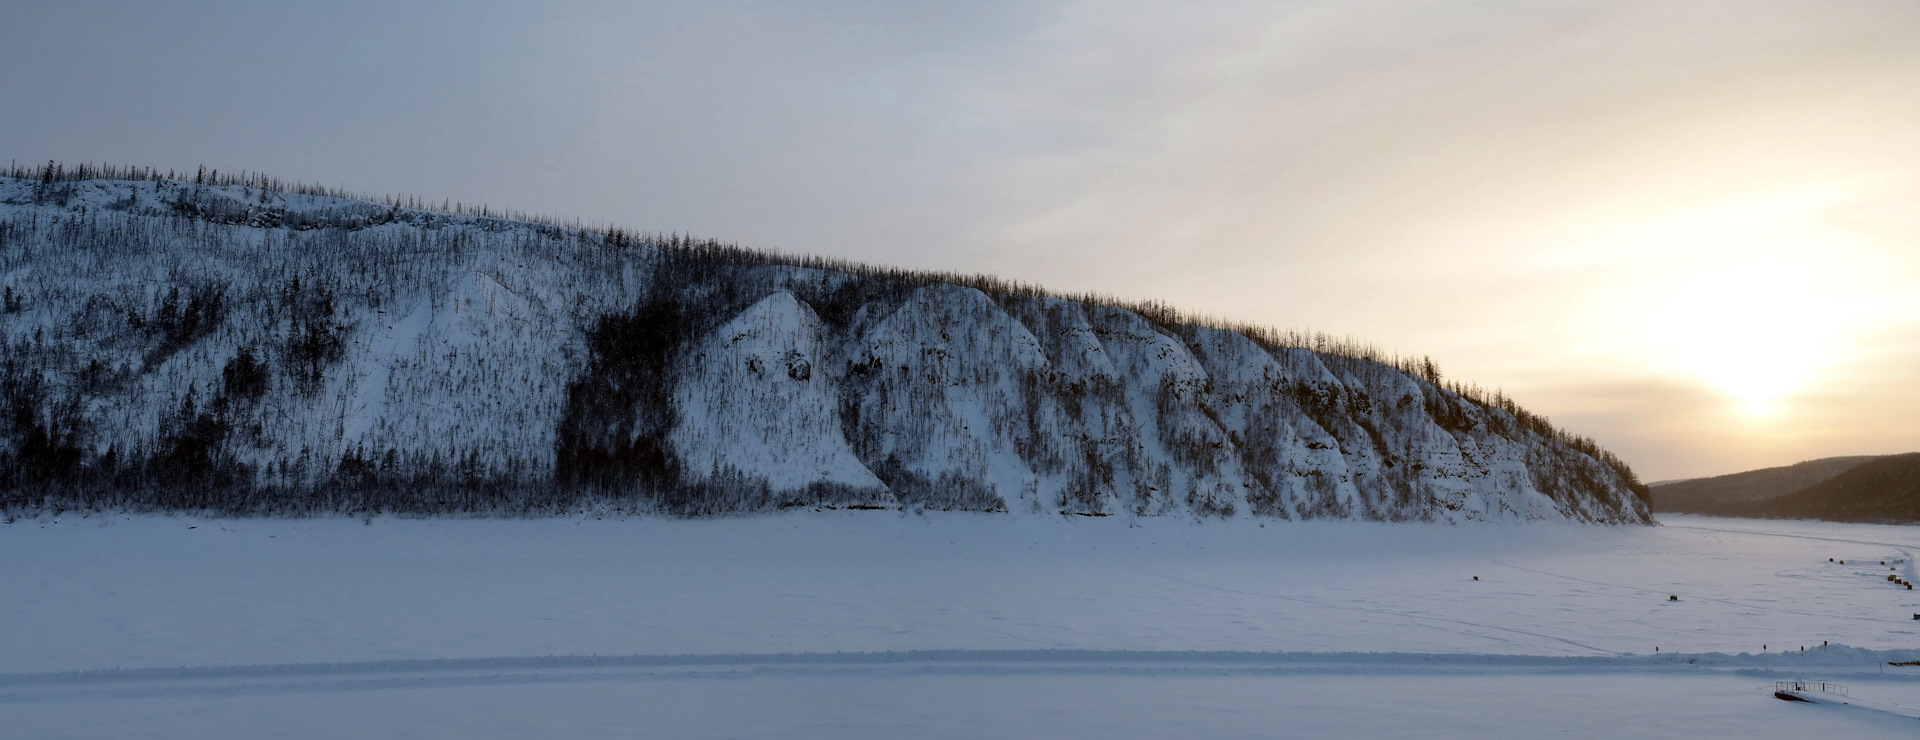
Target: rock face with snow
x=176, y=346
x=749, y=406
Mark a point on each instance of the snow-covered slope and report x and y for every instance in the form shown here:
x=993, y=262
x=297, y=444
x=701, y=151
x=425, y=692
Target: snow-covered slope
x=200, y=347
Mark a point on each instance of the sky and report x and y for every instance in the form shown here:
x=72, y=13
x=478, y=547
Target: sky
x=1690, y=230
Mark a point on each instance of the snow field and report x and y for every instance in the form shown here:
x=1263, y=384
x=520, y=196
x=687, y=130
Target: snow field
x=940, y=705
x=151, y=592
x=268, y=598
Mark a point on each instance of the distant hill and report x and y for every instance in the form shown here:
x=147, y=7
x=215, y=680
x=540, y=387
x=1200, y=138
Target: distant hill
x=1734, y=494
x=1883, y=489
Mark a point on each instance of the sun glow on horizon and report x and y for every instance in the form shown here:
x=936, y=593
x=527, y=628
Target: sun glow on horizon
x=1759, y=295
x=1757, y=332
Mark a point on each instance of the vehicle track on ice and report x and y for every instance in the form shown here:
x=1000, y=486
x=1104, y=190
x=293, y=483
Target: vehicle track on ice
x=18, y=688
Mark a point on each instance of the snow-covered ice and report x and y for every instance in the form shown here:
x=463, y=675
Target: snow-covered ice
x=184, y=627
x=966, y=705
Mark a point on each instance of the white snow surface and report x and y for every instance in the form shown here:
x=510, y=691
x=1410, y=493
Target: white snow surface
x=868, y=624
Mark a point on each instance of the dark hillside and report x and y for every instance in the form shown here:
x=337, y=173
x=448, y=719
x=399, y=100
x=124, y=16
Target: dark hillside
x=1885, y=490
x=1726, y=495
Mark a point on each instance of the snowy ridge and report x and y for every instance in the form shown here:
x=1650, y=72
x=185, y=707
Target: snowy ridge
x=176, y=346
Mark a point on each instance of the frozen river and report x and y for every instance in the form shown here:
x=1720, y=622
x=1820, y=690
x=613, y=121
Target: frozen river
x=175, y=627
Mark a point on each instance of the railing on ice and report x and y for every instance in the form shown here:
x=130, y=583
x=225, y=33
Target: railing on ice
x=1795, y=690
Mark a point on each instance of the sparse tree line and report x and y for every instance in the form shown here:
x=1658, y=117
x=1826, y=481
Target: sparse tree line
x=206, y=343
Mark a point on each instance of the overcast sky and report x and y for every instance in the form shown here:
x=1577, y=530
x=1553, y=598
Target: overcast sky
x=1690, y=230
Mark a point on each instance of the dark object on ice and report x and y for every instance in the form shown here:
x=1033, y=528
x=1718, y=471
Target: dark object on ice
x=1476, y=578
x=1794, y=690
x=1671, y=597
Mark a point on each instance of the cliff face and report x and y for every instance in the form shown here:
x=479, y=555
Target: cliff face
x=175, y=346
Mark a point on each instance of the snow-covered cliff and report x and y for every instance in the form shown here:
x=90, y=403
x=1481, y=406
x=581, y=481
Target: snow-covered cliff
x=223, y=347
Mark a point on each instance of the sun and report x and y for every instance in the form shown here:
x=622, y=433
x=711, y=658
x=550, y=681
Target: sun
x=1756, y=332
